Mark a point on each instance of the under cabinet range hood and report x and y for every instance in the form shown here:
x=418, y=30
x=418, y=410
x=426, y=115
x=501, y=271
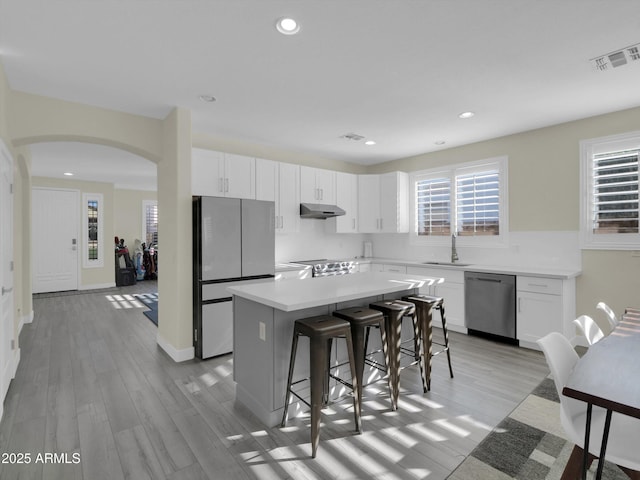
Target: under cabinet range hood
x=318, y=210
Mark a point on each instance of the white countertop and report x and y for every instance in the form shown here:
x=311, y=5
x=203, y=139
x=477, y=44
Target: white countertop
x=292, y=295
x=548, y=272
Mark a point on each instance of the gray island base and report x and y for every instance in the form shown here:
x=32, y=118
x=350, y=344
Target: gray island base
x=264, y=314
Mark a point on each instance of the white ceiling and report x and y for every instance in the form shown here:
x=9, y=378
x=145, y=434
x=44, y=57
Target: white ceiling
x=395, y=71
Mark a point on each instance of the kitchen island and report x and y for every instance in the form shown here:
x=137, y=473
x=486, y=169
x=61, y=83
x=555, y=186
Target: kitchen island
x=264, y=314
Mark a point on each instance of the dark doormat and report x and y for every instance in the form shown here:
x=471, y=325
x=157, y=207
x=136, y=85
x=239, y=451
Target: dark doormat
x=152, y=315
x=150, y=300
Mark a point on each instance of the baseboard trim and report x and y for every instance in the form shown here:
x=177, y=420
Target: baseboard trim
x=24, y=320
x=97, y=286
x=176, y=355
x=16, y=362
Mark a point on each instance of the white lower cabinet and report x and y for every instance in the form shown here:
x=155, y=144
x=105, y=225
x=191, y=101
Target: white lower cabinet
x=363, y=267
x=451, y=290
x=544, y=305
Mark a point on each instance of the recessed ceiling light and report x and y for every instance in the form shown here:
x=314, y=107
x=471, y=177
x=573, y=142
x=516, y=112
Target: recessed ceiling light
x=440, y=142
x=207, y=98
x=466, y=115
x=369, y=142
x=68, y=174
x=287, y=26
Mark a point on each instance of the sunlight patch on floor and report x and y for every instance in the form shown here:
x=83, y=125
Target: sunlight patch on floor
x=127, y=301
x=456, y=430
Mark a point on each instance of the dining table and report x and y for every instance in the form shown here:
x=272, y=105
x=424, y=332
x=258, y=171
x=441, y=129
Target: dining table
x=606, y=376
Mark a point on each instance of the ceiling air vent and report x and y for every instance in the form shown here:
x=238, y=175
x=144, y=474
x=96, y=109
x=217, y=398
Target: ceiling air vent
x=617, y=59
x=353, y=136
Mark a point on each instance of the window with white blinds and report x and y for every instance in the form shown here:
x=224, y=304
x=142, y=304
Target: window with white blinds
x=615, y=192
x=478, y=203
x=468, y=200
x=433, y=205
x=610, y=192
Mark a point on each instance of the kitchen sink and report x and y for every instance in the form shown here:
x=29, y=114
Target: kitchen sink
x=452, y=264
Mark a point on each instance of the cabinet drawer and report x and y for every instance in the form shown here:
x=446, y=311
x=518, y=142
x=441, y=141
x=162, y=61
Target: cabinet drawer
x=552, y=286
x=394, y=268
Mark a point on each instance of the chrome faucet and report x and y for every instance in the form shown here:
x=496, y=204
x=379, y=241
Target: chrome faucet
x=454, y=253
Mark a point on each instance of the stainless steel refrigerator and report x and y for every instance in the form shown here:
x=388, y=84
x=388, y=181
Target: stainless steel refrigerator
x=233, y=243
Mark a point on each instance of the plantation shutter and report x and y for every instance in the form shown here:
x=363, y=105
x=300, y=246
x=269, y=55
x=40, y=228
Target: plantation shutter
x=433, y=203
x=615, y=192
x=478, y=203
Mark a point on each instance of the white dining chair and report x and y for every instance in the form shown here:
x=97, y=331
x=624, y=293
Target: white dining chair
x=610, y=315
x=589, y=328
x=624, y=434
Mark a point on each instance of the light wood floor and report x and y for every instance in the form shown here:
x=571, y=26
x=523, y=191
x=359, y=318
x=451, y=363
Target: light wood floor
x=92, y=382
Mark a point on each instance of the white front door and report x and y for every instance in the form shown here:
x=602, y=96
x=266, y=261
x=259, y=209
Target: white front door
x=7, y=332
x=54, y=233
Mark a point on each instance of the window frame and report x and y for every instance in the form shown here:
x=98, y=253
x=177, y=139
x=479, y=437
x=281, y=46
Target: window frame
x=589, y=148
x=99, y=199
x=452, y=171
x=145, y=205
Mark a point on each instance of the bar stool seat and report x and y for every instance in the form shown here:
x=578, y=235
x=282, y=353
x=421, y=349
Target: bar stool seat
x=394, y=311
x=362, y=319
x=321, y=331
x=426, y=304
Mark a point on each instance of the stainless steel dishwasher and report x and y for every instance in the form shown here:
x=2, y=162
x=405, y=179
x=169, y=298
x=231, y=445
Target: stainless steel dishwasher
x=490, y=304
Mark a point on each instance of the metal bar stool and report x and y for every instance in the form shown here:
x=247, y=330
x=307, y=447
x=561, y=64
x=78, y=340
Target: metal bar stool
x=362, y=320
x=321, y=331
x=394, y=311
x=425, y=305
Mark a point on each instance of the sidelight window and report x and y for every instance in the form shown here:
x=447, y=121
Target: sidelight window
x=93, y=246
x=150, y=222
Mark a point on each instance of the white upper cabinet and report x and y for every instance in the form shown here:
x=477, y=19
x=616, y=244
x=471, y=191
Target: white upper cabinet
x=317, y=185
x=240, y=177
x=266, y=179
x=206, y=175
x=369, y=203
x=383, y=203
x=288, y=198
x=220, y=174
x=280, y=183
x=347, y=199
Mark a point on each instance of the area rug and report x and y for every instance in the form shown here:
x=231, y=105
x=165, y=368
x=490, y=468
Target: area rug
x=529, y=444
x=151, y=301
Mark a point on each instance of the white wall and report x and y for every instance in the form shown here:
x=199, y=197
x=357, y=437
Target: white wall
x=317, y=239
x=551, y=249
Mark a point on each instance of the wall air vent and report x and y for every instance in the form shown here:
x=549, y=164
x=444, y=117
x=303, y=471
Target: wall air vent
x=617, y=58
x=353, y=136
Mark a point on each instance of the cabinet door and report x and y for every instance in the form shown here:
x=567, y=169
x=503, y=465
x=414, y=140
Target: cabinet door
x=394, y=268
x=309, y=192
x=394, y=203
x=239, y=179
x=288, y=205
x=453, y=294
x=207, y=173
x=347, y=199
x=537, y=315
x=369, y=203
x=266, y=179
x=326, y=185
